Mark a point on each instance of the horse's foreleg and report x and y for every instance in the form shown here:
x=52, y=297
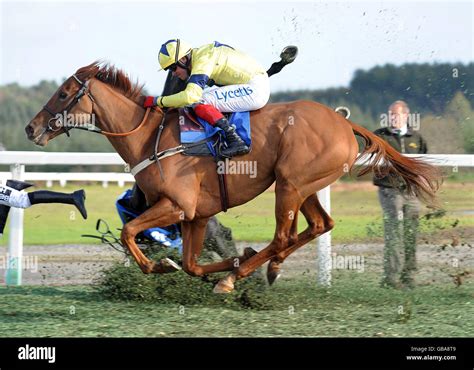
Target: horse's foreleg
x=163, y=213
x=193, y=233
x=287, y=206
x=193, y=239
x=319, y=222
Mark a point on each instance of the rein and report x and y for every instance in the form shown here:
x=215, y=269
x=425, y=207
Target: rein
x=123, y=134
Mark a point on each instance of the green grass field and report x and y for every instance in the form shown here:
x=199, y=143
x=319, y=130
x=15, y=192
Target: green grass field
x=355, y=306
x=356, y=212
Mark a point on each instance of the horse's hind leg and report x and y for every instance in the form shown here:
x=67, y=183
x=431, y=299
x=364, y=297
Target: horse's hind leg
x=273, y=269
x=319, y=222
x=287, y=206
x=163, y=213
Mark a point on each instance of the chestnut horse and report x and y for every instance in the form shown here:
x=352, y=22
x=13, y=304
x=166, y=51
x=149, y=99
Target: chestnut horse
x=302, y=146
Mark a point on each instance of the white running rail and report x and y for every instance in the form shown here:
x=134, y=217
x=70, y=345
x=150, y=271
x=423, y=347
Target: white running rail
x=18, y=160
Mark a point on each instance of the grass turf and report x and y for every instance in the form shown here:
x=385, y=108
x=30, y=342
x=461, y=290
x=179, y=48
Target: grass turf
x=354, y=306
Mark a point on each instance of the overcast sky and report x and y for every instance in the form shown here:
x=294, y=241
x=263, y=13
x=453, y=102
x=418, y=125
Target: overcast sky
x=50, y=40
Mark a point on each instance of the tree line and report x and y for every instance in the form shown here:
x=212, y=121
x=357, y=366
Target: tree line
x=442, y=94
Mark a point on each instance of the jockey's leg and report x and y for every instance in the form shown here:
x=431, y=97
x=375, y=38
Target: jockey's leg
x=233, y=98
x=76, y=198
x=12, y=195
x=235, y=144
x=239, y=97
x=287, y=56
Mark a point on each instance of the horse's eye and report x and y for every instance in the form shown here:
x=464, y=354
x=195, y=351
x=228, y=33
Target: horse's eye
x=62, y=95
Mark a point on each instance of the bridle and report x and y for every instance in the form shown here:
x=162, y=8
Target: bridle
x=82, y=91
x=85, y=91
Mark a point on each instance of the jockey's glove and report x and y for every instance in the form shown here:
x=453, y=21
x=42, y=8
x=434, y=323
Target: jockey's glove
x=152, y=101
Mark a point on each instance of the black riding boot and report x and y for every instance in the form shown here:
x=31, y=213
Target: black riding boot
x=45, y=196
x=235, y=144
x=288, y=55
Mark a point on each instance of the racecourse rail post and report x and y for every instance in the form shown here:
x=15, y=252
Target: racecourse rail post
x=15, y=242
x=324, y=242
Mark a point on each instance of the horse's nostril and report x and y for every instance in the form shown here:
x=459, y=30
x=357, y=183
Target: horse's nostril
x=29, y=130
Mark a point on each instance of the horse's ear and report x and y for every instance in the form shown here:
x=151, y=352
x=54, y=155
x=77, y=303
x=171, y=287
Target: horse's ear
x=87, y=72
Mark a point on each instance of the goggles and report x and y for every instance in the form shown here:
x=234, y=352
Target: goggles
x=172, y=67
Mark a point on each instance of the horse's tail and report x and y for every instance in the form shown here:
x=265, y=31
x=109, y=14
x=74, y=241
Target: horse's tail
x=421, y=179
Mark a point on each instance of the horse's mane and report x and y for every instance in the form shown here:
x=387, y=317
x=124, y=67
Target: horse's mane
x=113, y=77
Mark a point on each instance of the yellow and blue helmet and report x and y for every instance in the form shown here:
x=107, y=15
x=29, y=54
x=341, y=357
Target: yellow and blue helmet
x=172, y=51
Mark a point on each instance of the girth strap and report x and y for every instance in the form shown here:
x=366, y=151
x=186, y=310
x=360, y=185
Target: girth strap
x=223, y=190
x=163, y=154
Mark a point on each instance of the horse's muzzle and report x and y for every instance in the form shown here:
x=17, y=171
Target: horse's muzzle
x=30, y=132
x=36, y=135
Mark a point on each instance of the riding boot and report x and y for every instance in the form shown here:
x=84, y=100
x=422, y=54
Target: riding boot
x=4, y=210
x=235, y=144
x=44, y=196
x=288, y=55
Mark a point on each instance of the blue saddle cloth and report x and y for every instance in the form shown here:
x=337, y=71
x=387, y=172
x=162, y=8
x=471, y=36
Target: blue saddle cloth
x=192, y=132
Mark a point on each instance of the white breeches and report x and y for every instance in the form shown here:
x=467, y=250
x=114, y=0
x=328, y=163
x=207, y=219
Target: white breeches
x=241, y=97
x=14, y=198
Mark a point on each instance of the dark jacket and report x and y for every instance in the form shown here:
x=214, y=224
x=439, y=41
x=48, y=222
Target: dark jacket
x=410, y=143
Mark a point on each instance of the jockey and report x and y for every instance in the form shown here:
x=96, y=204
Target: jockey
x=240, y=84
x=11, y=195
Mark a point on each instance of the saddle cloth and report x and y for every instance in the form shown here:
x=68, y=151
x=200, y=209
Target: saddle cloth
x=194, y=129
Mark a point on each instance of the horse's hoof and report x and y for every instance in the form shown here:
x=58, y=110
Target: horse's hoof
x=148, y=269
x=249, y=252
x=272, y=277
x=273, y=272
x=165, y=266
x=225, y=285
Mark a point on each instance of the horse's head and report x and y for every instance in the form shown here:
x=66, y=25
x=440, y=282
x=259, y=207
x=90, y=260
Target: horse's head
x=73, y=104
x=72, y=99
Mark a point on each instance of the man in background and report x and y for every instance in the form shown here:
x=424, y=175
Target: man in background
x=400, y=210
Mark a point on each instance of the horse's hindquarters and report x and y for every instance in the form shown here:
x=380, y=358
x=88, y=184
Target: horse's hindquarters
x=316, y=150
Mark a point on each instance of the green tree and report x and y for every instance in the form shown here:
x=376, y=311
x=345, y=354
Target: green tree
x=460, y=110
x=442, y=135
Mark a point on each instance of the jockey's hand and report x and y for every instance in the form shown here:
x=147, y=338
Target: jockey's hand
x=152, y=101
x=149, y=102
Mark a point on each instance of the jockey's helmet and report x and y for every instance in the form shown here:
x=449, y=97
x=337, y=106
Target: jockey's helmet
x=172, y=51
